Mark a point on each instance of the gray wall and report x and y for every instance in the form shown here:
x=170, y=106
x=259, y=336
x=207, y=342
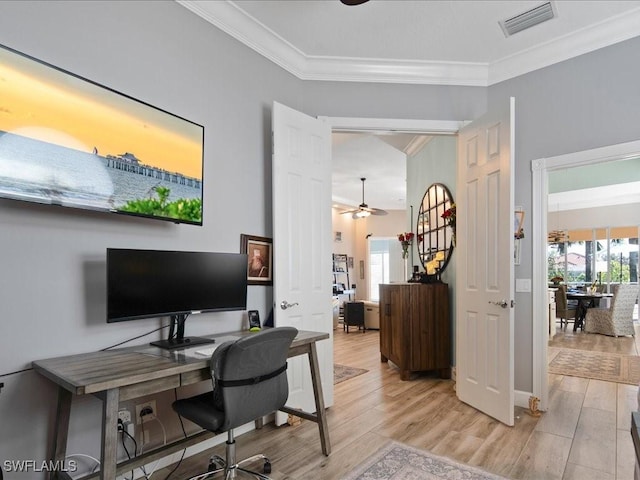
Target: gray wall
x=52, y=277
x=436, y=163
x=583, y=103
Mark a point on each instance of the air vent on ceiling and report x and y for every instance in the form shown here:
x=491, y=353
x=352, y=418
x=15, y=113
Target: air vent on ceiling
x=527, y=19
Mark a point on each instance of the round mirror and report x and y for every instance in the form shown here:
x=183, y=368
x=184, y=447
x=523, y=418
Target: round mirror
x=436, y=229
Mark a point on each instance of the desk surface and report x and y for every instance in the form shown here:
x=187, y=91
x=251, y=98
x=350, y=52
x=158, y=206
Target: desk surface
x=122, y=374
x=94, y=372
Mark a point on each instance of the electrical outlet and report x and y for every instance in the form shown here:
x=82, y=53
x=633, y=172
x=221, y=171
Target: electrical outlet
x=131, y=430
x=125, y=416
x=149, y=407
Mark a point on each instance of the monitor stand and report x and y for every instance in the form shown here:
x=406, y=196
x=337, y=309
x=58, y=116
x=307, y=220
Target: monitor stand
x=180, y=341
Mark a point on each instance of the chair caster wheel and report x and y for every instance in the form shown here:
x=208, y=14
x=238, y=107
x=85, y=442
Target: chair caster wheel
x=267, y=467
x=216, y=462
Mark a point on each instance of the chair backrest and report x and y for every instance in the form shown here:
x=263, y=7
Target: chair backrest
x=561, y=298
x=249, y=375
x=624, y=301
x=354, y=313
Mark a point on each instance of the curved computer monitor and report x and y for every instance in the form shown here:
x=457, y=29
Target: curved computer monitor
x=158, y=283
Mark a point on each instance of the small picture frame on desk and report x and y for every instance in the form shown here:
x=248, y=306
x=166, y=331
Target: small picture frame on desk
x=259, y=251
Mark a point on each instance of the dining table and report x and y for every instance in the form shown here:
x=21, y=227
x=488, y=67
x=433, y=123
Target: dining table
x=585, y=302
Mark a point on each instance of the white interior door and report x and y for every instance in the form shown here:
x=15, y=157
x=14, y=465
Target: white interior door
x=302, y=243
x=485, y=267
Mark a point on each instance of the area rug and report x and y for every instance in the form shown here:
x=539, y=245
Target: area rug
x=397, y=461
x=342, y=373
x=611, y=367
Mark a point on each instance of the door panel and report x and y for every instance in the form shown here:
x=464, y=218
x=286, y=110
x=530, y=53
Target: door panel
x=302, y=242
x=485, y=283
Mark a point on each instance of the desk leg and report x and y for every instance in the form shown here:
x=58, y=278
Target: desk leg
x=109, y=447
x=61, y=429
x=317, y=392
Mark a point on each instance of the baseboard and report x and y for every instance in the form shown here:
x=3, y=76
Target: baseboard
x=521, y=399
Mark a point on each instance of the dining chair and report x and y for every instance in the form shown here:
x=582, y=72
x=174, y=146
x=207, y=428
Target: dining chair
x=617, y=320
x=565, y=312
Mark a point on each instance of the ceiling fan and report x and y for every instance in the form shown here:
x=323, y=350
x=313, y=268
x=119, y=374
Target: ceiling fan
x=557, y=236
x=363, y=209
x=354, y=2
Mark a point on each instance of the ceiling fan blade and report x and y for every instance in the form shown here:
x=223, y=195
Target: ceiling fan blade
x=372, y=211
x=353, y=210
x=378, y=211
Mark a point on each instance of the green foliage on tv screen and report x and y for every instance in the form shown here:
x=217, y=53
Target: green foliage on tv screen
x=188, y=209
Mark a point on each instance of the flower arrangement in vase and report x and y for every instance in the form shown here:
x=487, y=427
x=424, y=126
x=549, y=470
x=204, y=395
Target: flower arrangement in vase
x=449, y=216
x=406, y=239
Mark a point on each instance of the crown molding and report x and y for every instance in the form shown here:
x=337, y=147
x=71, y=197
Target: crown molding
x=417, y=144
x=229, y=18
x=395, y=125
x=232, y=20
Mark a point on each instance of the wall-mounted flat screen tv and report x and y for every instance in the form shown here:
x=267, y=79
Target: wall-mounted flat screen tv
x=68, y=141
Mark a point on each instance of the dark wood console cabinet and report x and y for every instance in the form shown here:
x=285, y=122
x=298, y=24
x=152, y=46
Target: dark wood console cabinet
x=415, y=328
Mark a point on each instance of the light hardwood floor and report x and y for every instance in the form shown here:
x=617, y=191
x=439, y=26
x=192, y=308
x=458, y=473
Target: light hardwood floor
x=584, y=435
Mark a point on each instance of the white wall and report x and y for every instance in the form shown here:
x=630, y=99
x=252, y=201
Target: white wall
x=595, y=217
x=354, y=242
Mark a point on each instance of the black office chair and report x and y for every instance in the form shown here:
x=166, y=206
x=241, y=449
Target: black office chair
x=354, y=315
x=249, y=381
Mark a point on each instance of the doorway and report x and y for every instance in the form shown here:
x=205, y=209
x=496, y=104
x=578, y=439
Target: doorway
x=398, y=218
x=540, y=190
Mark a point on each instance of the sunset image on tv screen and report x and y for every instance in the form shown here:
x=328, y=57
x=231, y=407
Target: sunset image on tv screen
x=68, y=141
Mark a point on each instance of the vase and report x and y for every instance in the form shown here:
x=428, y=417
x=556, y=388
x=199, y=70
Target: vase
x=405, y=249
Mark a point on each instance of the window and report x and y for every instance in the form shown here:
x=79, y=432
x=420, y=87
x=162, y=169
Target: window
x=601, y=255
x=378, y=266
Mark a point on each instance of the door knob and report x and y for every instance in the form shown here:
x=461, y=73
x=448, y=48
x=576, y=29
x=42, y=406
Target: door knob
x=284, y=304
x=500, y=303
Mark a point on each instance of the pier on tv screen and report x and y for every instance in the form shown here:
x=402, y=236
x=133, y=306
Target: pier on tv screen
x=65, y=140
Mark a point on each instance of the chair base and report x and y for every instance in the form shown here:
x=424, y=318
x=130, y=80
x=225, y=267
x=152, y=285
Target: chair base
x=230, y=467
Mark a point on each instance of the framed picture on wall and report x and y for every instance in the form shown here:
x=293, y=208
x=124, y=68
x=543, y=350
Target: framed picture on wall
x=259, y=251
x=518, y=234
x=518, y=221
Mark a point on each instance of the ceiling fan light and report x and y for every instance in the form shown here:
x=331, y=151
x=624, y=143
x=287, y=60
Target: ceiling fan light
x=361, y=214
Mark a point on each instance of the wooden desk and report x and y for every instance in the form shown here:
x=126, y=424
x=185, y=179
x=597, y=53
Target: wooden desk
x=123, y=374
